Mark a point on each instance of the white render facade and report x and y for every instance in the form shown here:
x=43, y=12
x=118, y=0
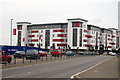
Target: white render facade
x=75, y=34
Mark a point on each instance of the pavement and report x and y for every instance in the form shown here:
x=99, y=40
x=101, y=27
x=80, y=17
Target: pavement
x=108, y=69
x=55, y=69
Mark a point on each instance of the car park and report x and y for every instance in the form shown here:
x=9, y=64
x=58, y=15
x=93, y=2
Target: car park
x=5, y=57
x=69, y=53
x=42, y=53
x=56, y=52
x=19, y=54
x=32, y=53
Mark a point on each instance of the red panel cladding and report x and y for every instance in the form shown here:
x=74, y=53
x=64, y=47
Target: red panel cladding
x=98, y=37
x=89, y=36
x=112, y=43
x=90, y=45
x=36, y=31
x=55, y=40
x=109, y=39
x=108, y=35
x=100, y=34
x=85, y=40
x=31, y=35
x=86, y=35
x=29, y=44
x=109, y=47
x=61, y=44
x=61, y=30
x=55, y=30
x=14, y=31
x=32, y=31
x=60, y=35
x=34, y=40
x=61, y=40
x=86, y=45
x=78, y=24
x=85, y=31
x=23, y=39
x=113, y=36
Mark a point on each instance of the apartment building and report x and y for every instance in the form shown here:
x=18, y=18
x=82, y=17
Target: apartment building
x=75, y=34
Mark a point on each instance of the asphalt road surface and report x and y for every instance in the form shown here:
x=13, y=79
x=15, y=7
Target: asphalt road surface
x=57, y=69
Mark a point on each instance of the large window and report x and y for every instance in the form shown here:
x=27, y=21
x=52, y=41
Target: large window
x=74, y=37
x=117, y=42
x=47, y=38
x=19, y=38
x=80, y=37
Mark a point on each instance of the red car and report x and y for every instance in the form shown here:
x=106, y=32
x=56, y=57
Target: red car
x=42, y=53
x=2, y=57
x=56, y=52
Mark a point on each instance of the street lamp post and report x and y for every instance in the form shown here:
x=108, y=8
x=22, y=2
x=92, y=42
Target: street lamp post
x=11, y=33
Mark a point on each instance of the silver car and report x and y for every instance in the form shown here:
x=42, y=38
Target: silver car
x=19, y=54
x=32, y=53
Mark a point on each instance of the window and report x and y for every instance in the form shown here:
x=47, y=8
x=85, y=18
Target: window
x=37, y=35
x=41, y=35
x=53, y=35
x=41, y=31
x=41, y=44
x=28, y=31
x=19, y=27
x=41, y=40
x=66, y=40
x=74, y=37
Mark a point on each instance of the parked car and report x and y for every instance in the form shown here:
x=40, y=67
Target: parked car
x=19, y=54
x=69, y=53
x=43, y=53
x=81, y=53
x=112, y=53
x=2, y=57
x=106, y=53
x=32, y=53
x=56, y=52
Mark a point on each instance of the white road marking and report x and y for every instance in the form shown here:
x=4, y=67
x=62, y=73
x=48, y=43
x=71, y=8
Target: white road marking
x=76, y=75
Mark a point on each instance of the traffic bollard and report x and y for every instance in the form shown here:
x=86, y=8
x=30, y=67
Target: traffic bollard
x=51, y=57
x=5, y=59
x=14, y=59
x=30, y=58
x=55, y=57
x=42, y=58
x=36, y=58
x=23, y=58
x=46, y=58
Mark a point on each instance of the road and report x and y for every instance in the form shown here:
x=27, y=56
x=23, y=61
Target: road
x=57, y=69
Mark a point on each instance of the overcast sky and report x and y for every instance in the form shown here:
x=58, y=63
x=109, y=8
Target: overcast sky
x=103, y=13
